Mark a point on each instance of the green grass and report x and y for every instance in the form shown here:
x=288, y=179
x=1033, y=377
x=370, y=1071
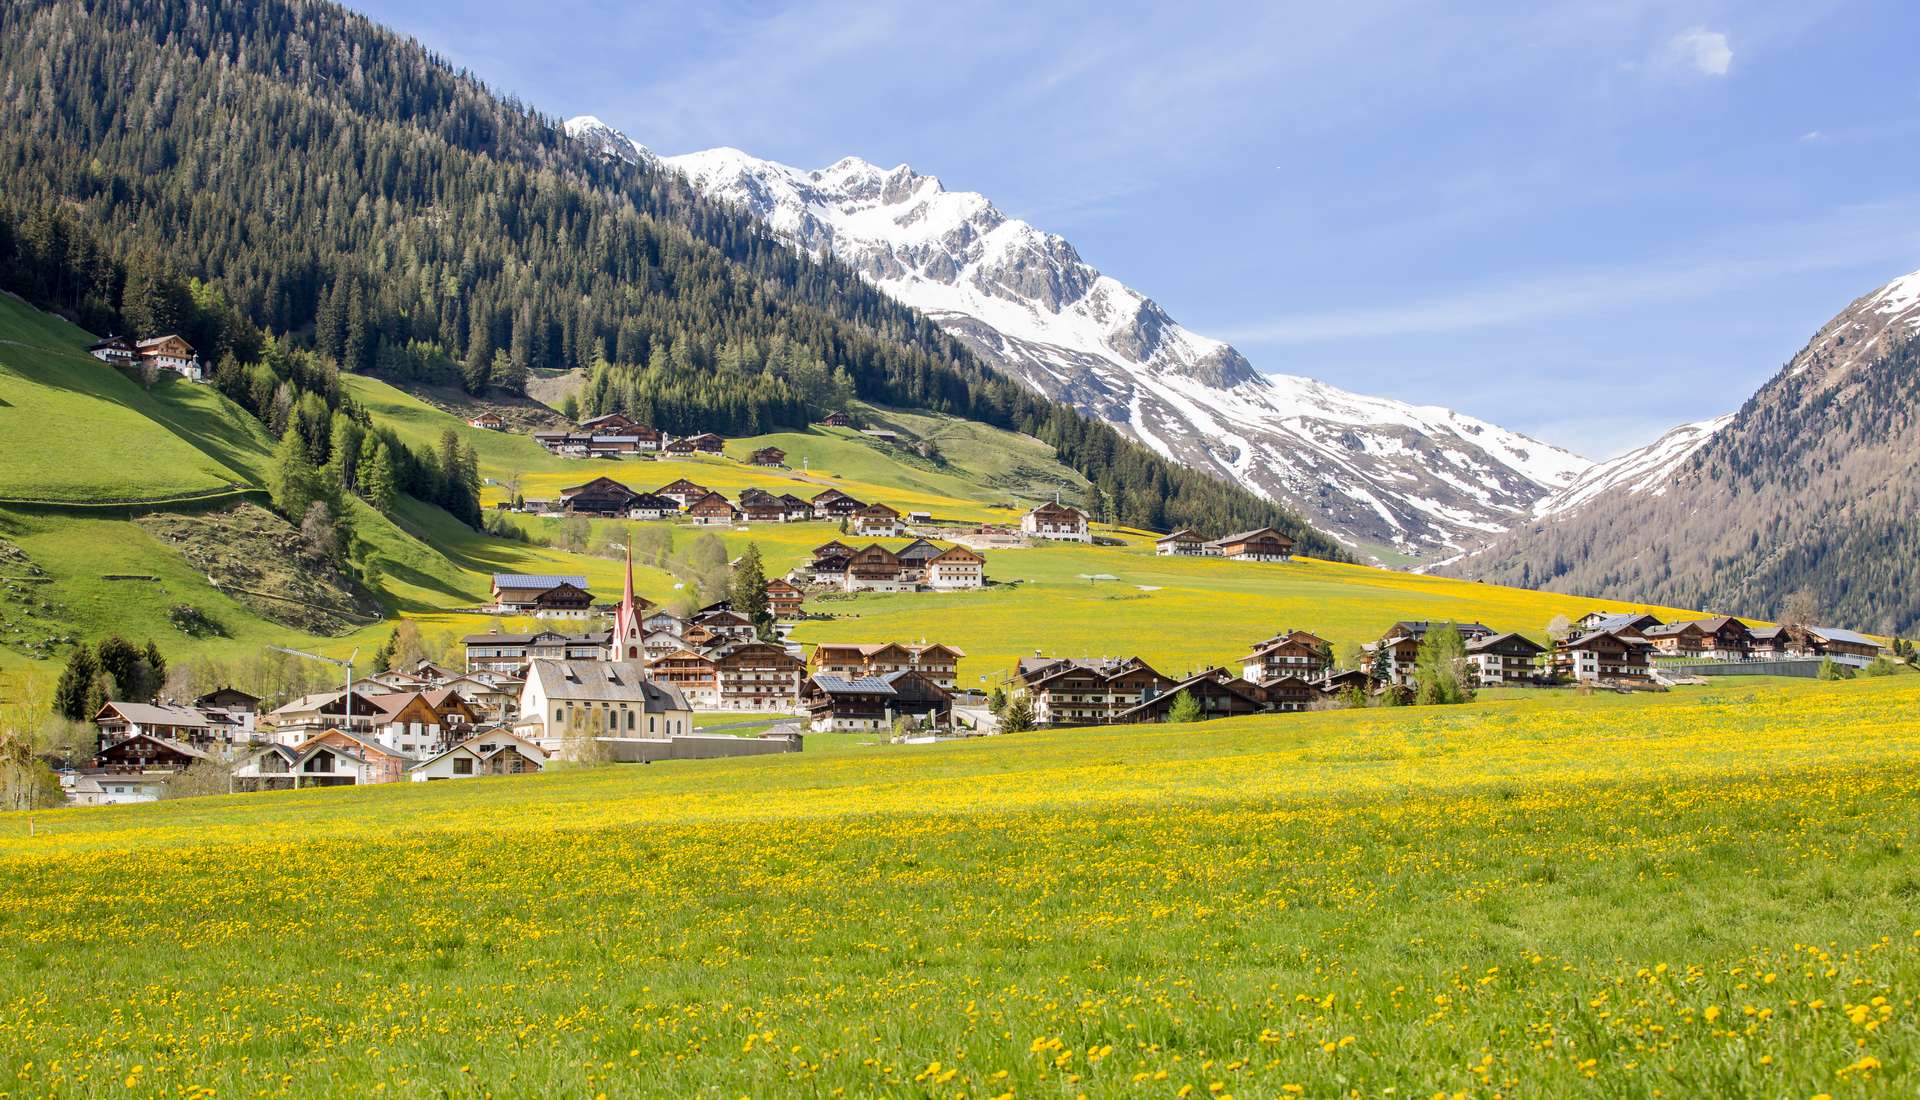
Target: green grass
x=74, y=429
x=1708, y=893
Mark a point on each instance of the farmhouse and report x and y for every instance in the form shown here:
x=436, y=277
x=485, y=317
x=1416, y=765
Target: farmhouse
x=421, y=722
x=1602, y=657
x=1288, y=653
x=712, y=510
x=1638, y=622
x=834, y=504
x=542, y=596
x=877, y=521
x=602, y=496
x=1721, y=638
x=170, y=722
x=1217, y=692
x=758, y=676
x=488, y=752
x=1181, y=543
x=1401, y=645
x=335, y=758
x=298, y=719
x=120, y=351
x=488, y=421
x=1070, y=692
x=916, y=554
x=876, y=569
x=706, y=443
x=1262, y=544
x=682, y=492
x=1291, y=694
x=835, y=420
x=169, y=352
x=874, y=702
x=509, y=653
x=784, y=600
x=768, y=456
x=956, y=568
x=938, y=663
x=678, y=447
x=1054, y=520
x=1502, y=659
x=567, y=700
x=690, y=672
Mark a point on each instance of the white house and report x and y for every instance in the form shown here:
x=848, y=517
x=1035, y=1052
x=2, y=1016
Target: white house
x=956, y=567
x=490, y=752
x=1052, y=520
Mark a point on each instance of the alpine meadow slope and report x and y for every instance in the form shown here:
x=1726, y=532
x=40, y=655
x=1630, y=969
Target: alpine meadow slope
x=1811, y=485
x=1390, y=479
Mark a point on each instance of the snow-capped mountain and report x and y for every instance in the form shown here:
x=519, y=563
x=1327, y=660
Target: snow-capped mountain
x=1377, y=473
x=1641, y=470
x=607, y=141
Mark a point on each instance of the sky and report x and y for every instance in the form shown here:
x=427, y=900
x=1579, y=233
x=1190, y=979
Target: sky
x=1586, y=221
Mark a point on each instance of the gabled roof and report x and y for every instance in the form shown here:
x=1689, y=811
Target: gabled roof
x=1844, y=637
x=1053, y=509
x=1182, y=535
x=680, y=485
x=159, y=714
x=857, y=685
x=598, y=681
x=1586, y=641
x=1248, y=536
x=598, y=484
x=957, y=552
x=536, y=580
x=1493, y=640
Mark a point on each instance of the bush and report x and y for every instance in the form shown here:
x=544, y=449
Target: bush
x=1881, y=666
x=1185, y=709
x=1831, y=669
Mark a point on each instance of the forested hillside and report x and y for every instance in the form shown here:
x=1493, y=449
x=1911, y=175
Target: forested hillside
x=295, y=168
x=1812, y=486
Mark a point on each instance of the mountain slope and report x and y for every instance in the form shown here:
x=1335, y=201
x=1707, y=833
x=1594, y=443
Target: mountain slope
x=1812, y=484
x=1383, y=475
x=1643, y=469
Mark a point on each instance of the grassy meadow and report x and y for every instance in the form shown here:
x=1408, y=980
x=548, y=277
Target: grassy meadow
x=1706, y=893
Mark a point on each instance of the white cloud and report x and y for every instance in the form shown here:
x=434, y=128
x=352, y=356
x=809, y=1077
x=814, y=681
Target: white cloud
x=1702, y=50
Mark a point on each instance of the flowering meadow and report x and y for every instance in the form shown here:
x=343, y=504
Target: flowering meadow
x=1714, y=892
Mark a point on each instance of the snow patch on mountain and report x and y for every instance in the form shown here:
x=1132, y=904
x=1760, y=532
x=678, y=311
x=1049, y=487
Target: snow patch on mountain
x=1643, y=469
x=1374, y=472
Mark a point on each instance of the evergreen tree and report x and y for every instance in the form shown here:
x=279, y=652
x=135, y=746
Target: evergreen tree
x=294, y=482
x=1440, y=674
x=1185, y=709
x=122, y=663
x=76, y=680
x=749, y=590
x=379, y=483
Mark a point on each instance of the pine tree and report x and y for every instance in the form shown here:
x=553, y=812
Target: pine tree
x=379, y=483
x=294, y=483
x=1185, y=709
x=1440, y=668
x=749, y=590
x=76, y=680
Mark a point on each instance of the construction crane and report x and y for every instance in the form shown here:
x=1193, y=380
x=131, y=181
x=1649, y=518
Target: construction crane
x=336, y=662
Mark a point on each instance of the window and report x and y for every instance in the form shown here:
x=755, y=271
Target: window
x=463, y=765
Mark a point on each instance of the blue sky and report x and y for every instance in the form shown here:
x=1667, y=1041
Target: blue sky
x=1586, y=221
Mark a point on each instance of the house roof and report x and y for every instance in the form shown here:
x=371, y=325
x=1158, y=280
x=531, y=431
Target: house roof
x=1845, y=637
x=598, y=681
x=536, y=580
x=159, y=714
x=1182, y=535
x=1054, y=508
x=854, y=685
x=1248, y=536
x=1492, y=640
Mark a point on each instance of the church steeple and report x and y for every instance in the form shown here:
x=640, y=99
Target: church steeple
x=624, y=644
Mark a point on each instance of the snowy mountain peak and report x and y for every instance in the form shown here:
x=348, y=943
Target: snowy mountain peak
x=1644, y=469
x=606, y=140
x=1899, y=299
x=1385, y=476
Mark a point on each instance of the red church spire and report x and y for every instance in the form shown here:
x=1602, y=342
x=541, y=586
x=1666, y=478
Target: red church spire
x=624, y=645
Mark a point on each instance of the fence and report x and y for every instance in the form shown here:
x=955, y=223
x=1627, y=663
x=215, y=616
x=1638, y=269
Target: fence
x=1804, y=667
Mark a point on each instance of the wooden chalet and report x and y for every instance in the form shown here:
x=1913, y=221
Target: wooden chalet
x=957, y=567
x=764, y=508
x=119, y=351
x=1069, y=692
x=1054, y=520
x=768, y=456
x=835, y=420
x=1261, y=544
x=712, y=510
x=488, y=421
x=877, y=521
x=509, y=654
x=849, y=705
x=876, y=569
x=1290, y=694
x=1720, y=638
x=1181, y=543
x=612, y=423
x=758, y=676
x=1402, y=643
x=1500, y=660
x=682, y=491
x=784, y=599
x=602, y=496
x=143, y=752
x=834, y=504
x=917, y=553
x=691, y=673
x=170, y=353
x=1218, y=692
x=678, y=447
x=706, y=443
x=542, y=596
x=1603, y=657
x=1289, y=653
x=938, y=663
